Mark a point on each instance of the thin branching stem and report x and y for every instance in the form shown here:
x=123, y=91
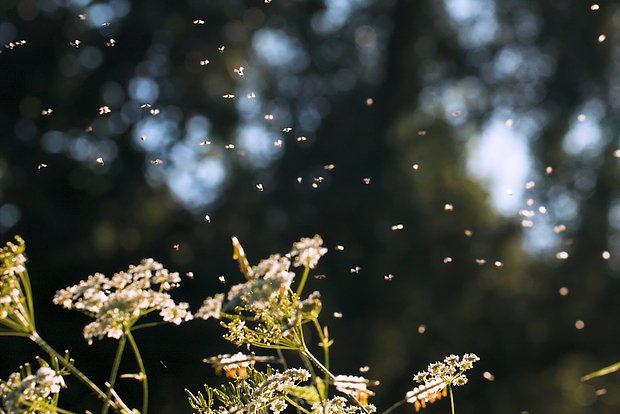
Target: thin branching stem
x=71, y=368
x=302, y=282
x=325, y=346
x=394, y=406
x=451, y=399
x=296, y=405
x=25, y=282
x=144, y=379
x=114, y=372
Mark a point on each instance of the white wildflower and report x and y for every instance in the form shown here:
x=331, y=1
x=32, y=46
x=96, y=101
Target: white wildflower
x=438, y=376
x=354, y=386
x=307, y=252
x=337, y=405
x=211, y=307
x=117, y=303
x=23, y=393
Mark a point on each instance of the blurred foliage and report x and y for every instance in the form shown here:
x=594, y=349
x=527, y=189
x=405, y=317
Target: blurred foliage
x=372, y=88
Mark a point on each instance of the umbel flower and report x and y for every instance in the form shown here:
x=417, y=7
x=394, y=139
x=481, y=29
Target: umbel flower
x=117, y=303
x=264, y=310
x=355, y=386
x=16, y=310
x=439, y=378
x=24, y=392
x=237, y=365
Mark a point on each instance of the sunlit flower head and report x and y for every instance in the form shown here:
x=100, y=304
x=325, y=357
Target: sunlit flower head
x=354, y=386
x=117, y=303
x=236, y=365
x=308, y=252
x=438, y=377
x=24, y=392
x=16, y=311
x=211, y=307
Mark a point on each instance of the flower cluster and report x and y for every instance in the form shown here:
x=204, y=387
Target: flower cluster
x=264, y=310
x=24, y=392
x=427, y=393
x=256, y=393
x=15, y=295
x=336, y=405
x=438, y=378
x=235, y=366
x=450, y=371
x=307, y=252
x=355, y=386
x=117, y=303
x=274, y=388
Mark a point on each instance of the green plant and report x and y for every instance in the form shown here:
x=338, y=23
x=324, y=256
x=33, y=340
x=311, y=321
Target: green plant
x=268, y=311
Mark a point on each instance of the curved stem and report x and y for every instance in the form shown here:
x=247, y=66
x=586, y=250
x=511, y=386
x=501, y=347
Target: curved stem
x=114, y=371
x=62, y=411
x=394, y=406
x=302, y=282
x=11, y=333
x=145, y=382
x=316, y=362
x=71, y=368
x=282, y=359
x=451, y=398
x=147, y=325
x=325, y=345
x=297, y=406
x=25, y=279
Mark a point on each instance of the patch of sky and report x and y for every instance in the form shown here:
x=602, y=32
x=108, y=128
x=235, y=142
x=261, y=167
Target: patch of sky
x=564, y=204
x=100, y=14
x=192, y=179
x=584, y=138
x=79, y=4
x=197, y=129
x=501, y=158
x=335, y=15
x=275, y=48
x=84, y=148
x=143, y=89
x=154, y=134
x=474, y=19
x=540, y=239
x=257, y=142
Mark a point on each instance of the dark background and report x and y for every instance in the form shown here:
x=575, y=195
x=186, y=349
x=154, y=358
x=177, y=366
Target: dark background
x=442, y=75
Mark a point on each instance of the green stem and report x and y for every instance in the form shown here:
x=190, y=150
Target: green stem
x=71, y=368
x=145, y=383
x=315, y=381
x=114, y=372
x=17, y=329
x=451, y=399
x=394, y=406
x=25, y=279
x=282, y=359
x=147, y=325
x=325, y=345
x=304, y=351
x=297, y=406
x=302, y=282
x=62, y=411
